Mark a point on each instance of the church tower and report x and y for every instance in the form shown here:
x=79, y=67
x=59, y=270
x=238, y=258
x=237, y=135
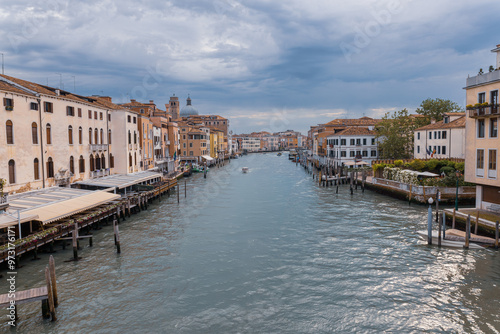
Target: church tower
x=173, y=107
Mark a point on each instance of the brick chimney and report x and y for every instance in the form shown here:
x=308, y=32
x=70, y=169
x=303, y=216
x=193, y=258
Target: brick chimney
x=107, y=98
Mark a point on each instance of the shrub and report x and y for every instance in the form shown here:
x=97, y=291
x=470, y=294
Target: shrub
x=417, y=165
x=398, y=163
x=377, y=167
x=432, y=165
x=460, y=166
x=447, y=170
x=451, y=164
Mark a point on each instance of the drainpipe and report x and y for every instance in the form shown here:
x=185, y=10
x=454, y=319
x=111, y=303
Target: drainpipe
x=41, y=140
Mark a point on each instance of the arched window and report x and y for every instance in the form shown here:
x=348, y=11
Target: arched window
x=135, y=137
x=102, y=136
x=130, y=159
x=129, y=137
x=103, y=161
x=36, y=169
x=109, y=137
x=80, y=135
x=49, y=134
x=135, y=158
x=9, y=128
x=12, y=172
x=34, y=133
x=92, y=166
x=96, y=136
x=90, y=135
x=50, y=168
x=97, y=162
x=111, y=161
x=71, y=165
x=70, y=135
x=81, y=164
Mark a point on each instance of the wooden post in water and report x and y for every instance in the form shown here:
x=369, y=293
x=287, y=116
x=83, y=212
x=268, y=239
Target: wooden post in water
x=53, y=283
x=351, y=182
x=440, y=223
x=185, y=188
x=117, y=237
x=177, y=192
x=320, y=177
x=52, y=309
x=496, y=235
x=453, y=222
x=467, y=232
x=477, y=222
x=437, y=205
x=75, y=242
x=444, y=225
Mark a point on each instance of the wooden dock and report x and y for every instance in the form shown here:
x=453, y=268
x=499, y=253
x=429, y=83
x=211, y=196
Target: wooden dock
x=47, y=294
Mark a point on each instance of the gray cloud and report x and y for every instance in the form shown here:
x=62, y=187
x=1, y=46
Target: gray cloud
x=240, y=58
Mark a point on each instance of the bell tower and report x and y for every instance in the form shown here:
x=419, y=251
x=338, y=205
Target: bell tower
x=173, y=107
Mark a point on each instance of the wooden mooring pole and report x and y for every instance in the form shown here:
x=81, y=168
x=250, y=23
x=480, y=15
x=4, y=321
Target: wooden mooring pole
x=477, y=222
x=117, y=237
x=429, y=226
x=185, y=188
x=453, y=221
x=440, y=223
x=467, y=232
x=178, y=201
x=50, y=296
x=75, y=242
x=53, y=283
x=496, y=235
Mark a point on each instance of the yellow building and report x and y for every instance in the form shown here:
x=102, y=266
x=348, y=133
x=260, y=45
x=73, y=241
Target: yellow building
x=481, y=130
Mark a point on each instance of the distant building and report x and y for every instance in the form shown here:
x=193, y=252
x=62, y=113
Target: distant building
x=352, y=146
x=444, y=139
x=482, y=144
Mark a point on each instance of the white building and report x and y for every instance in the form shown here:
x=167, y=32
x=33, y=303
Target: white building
x=251, y=144
x=444, y=139
x=352, y=145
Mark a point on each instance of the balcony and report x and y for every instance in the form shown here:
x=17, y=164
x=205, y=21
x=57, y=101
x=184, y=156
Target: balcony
x=481, y=112
x=98, y=147
x=99, y=173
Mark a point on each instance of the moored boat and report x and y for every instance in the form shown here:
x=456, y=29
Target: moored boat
x=244, y=169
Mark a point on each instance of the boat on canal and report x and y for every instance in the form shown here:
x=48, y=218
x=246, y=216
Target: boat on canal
x=244, y=169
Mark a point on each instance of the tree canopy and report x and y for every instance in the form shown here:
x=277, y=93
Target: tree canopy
x=395, y=134
x=436, y=108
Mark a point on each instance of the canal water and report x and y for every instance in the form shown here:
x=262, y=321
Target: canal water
x=268, y=252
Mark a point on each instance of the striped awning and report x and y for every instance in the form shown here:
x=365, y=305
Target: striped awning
x=62, y=209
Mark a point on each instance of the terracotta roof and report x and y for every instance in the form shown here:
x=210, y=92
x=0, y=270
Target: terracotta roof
x=454, y=113
x=4, y=86
x=355, y=131
x=458, y=123
x=364, y=121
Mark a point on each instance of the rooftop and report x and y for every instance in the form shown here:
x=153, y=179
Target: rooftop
x=458, y=123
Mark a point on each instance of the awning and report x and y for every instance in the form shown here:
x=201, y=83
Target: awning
x=52, y=212
x=10, y=219
x=207, y=157
x=352, y=163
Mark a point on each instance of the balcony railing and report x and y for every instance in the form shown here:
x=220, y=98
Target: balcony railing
x=98, y=147
x=99, y=173
x=484, y=111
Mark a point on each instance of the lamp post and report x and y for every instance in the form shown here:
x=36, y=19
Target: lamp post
x=457, y=173
x=429, y=222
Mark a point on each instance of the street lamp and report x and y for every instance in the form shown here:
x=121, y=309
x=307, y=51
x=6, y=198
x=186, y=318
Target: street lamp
x=457, y=173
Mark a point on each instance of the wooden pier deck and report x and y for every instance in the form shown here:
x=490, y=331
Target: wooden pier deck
x=25, y=296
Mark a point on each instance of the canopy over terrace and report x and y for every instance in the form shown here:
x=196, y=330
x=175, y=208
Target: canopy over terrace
x=52, y=204
x=357, y=163
x=121, y=181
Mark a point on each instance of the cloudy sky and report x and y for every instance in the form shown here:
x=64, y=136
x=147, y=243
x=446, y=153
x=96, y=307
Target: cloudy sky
x=265, y=65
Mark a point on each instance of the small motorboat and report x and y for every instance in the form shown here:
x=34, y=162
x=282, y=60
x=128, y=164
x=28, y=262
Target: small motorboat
x=244, y=169
x=279, y=154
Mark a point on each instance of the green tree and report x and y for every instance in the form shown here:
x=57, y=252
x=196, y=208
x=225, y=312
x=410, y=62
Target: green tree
x=435, y=108
x=395, y=134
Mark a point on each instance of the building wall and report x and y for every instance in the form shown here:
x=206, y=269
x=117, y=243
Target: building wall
x=334, y=151
x=485, y=176
x=23, y=151
x=454, y=144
